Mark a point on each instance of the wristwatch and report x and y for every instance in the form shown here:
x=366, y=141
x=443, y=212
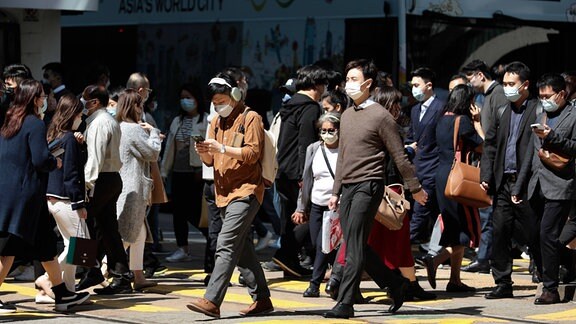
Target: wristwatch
x=223, y=149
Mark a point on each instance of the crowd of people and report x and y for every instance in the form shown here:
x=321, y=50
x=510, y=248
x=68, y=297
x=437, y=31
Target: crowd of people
x=93, y=162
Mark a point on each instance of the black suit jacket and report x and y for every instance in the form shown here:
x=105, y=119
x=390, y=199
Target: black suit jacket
x=496, y=139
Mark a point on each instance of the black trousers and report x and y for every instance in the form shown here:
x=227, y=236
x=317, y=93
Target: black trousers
x=288, y=192
x=321, y=260
x=511, y=221
x=552, y=216
x=358, y=205
x=187, y=190
x=102, y=220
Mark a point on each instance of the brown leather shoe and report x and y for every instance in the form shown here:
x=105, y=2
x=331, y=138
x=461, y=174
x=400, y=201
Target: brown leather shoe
x=259, y=307
x=548, y=297
x=204, y=306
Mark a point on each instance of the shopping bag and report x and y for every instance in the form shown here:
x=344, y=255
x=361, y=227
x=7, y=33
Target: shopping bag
x=82, y=251
x=331, y=231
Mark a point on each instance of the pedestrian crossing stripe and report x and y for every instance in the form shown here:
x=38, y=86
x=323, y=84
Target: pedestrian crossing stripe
x=30, y=315
x=449, y=320
x=568, y=315
x=116, y=303
x=319, y=321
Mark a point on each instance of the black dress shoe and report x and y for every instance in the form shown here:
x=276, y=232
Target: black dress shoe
x=311, y=291
x=397, y=294
x=430, y=270
x=480, y=267
x=92, y=278
x=332, y=288
x=547, y=298
x=340, y=311
x=118, y=286
x=461, y=288
x=415, y=292
x=500, y=292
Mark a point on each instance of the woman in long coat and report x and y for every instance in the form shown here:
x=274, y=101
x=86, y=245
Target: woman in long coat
x=26, y=161
x=139, y=146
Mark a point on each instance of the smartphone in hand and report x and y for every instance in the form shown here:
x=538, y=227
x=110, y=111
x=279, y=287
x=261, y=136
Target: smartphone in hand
x=537, y=126
x=198, y=138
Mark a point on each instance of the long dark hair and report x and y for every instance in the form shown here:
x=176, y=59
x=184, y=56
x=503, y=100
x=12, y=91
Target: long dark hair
x=23, y=105
x=68, y=108
x=459, y=100
x=389, y=97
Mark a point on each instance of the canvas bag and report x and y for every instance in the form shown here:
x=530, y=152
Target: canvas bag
x=393, y=207
x=463, y=184
x=82, y=251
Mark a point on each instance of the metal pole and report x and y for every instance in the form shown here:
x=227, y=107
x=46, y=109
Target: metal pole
x=402, y=42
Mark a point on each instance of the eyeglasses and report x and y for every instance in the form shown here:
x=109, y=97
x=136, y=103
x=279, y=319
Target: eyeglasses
x=330, y=131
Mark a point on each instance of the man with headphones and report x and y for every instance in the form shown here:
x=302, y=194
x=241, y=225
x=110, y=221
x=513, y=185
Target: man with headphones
x=298, y=130
x=234, y=146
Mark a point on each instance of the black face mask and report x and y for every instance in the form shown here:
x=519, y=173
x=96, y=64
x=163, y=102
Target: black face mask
x=9, y=92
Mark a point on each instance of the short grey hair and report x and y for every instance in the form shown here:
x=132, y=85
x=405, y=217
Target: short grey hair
x=332, y=117
x=137, y=80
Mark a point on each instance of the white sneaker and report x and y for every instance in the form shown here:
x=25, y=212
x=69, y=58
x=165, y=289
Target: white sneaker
x=263, y=242
x=26, y=275
x=44, y=299
x=179, y=256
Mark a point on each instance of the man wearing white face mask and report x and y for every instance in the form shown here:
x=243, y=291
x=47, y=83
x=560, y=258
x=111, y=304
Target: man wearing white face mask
x=298, y=130
x=234, y=147
x=506, y=143
x=368, y=132
x=550, y=187
x=421, y=144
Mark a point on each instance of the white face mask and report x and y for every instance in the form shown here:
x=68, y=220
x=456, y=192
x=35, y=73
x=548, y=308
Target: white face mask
x=224, y=110
x=329, y=138
x=418, y=94
x=44, y=105
x=85, y=110
x=549, y=105
x=76, y=124
x=512, y=93
x=353, y=90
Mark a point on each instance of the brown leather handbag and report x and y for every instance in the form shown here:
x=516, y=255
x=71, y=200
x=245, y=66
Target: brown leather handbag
x=158, y=195
x=552, y=160
x=393, y=207
x=463, y=184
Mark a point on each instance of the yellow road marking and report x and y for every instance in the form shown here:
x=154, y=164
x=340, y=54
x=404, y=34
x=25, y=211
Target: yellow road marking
x=568, y=315
x=21, y=290
x=335, y=321
x=444, y=320
x=245, y=299
x=30, y=314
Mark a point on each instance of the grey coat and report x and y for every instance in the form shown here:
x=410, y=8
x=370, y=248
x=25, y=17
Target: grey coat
x=137, y=150
x=556, y=185
x=304, y=196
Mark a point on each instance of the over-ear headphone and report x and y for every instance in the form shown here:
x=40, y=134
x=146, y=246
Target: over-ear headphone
x=235, y=92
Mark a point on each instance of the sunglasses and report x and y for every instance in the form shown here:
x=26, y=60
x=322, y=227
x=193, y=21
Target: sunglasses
x=330, y=131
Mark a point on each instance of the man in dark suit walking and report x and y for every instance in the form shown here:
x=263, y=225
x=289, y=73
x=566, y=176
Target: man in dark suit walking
x=551, y=190
x=421, y=146
x=505, y=145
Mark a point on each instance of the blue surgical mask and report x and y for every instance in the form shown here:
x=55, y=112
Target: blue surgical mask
x=45, y=105
x=286, y=98
x=512, y=93
x=418, y=94
x=188, y=104
x=85, y=110
x=549, y=105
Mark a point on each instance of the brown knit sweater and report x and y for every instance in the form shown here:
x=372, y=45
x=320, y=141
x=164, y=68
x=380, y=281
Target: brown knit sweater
x=366, y=136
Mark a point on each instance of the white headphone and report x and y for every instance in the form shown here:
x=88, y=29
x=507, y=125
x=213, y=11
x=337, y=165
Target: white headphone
x=235, y=92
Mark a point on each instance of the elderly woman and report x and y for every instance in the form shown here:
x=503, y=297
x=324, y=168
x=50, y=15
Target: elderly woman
x=317, y=182
x=140, y=145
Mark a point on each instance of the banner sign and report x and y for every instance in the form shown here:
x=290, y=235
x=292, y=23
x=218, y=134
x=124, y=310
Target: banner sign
x=132, y=12
x=77, y=5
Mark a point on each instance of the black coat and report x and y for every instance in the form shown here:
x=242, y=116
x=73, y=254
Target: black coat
x=297, y=131
x=494, y=154
x=24, y=165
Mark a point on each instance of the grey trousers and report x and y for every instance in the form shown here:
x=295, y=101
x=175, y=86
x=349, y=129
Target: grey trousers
x=235, y=247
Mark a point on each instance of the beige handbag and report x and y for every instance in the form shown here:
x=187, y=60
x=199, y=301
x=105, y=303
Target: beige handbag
x=158, y=193
x=463, y=184
x=393, y=207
